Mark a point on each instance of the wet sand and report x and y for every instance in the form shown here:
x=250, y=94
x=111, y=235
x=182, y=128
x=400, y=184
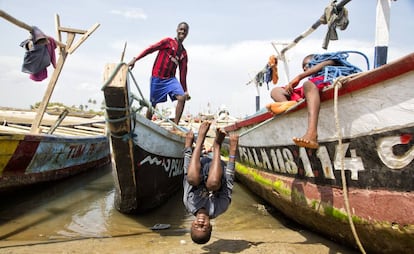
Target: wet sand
x=77, y=216
x=246, y=241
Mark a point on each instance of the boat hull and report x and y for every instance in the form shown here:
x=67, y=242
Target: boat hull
x=147, y=158
x=27, y=159
x=376, y=123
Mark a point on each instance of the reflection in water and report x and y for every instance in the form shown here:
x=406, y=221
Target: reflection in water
x=82, y=207
x=91, y=220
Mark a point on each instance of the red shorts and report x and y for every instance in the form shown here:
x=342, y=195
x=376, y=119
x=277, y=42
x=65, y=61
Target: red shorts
x=298, y=93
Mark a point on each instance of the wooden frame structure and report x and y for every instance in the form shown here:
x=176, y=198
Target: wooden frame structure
x=64, y=50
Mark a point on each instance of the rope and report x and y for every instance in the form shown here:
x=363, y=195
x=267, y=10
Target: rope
x=142, y=101
x=344, y=68
x=112, y=75
x=338, y=84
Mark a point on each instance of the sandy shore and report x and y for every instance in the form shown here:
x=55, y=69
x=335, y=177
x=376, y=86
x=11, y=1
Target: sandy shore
x=246, y=241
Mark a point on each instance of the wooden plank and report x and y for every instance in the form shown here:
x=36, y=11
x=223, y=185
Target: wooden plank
x=83, y=38
x=58, y=131
x=99, y=125
x=92, y=129
x=72, y=30
x=119, y=125
x=78, y=131
x=12, y=130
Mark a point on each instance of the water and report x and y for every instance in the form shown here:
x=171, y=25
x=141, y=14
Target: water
x=81, y=208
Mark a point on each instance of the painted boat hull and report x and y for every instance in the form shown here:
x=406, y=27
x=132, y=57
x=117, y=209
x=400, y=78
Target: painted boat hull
x=27, y=159
x=148, y=159
x=376, y=122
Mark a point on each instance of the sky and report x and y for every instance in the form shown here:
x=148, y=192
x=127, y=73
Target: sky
x=229, y=41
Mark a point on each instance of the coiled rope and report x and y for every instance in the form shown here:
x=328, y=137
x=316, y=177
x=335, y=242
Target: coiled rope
x=344, y=68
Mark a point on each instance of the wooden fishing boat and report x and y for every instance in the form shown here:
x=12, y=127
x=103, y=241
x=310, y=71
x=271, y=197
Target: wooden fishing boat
x=75, y=146
x=148, y=158
x=357, y=187
x=376, y=111
x=36, y=147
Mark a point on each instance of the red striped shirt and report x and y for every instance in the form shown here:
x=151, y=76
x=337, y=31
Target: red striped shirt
x=168, y=58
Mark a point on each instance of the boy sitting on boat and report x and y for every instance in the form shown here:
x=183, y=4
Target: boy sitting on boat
x=321, y=70
x=208, y=182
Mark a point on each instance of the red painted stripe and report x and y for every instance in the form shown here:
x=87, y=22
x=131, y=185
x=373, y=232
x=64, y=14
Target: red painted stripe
x=22, y=156
x=375, y=76
x=250, y=121
x=366, y=79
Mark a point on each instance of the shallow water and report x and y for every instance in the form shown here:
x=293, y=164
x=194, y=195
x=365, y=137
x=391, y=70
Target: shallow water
x=82, y=207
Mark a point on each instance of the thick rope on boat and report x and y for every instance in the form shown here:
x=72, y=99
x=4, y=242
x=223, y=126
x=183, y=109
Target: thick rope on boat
x=127, y=136
x=338, y=84
x=142, y=101
x=112, y=76
x=344, y=68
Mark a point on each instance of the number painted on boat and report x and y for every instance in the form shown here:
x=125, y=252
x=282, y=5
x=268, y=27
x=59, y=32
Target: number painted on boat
x=353, y=163
x=386, y=153
x=282, y=160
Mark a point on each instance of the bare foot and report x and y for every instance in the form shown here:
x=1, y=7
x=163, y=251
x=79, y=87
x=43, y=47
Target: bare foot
x=220, y=135
x=189, y=138
x=202, y=131
x=306, y=142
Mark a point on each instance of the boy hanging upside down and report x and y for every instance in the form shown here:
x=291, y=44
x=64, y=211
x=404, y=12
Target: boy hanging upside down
x=208, y=182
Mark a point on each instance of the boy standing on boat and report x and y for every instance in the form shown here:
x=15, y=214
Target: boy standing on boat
x=208, y=182
x=171, y=53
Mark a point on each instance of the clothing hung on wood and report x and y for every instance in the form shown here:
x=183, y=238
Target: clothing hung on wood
x=40, y=52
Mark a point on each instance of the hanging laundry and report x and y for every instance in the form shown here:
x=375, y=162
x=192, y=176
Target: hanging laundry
x=40, y=52
x=334, y=17
x=273, y=66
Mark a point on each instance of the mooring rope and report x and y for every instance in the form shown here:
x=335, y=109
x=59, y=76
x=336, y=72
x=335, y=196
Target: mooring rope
x=338, y=84
x=141, y=100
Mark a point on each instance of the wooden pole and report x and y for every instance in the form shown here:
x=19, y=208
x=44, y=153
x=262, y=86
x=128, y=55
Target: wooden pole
x=123, y=52
x=311, y=29
x=15, y=21
x=23, y=25
x=35, y=129
x=82, y=39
